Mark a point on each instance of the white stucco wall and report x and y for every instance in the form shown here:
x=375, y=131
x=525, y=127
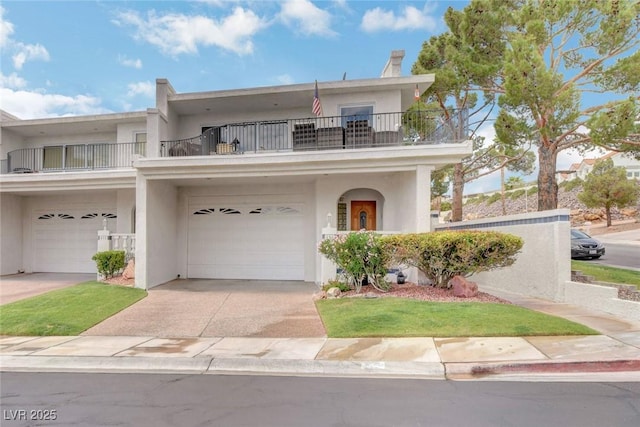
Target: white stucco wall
x=74, y=138
x=544, y=264
x=126, y=203
x=127, y=131
x=601, y=298
x=11, y=211
x=156, y=232
x=9, y=141
x=382, y=101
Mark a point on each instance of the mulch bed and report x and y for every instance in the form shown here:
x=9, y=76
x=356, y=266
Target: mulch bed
x=422, y=293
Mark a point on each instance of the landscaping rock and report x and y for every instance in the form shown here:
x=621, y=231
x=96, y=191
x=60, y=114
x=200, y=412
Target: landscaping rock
x=333, y=293
x=130, y=270
x=463, y=288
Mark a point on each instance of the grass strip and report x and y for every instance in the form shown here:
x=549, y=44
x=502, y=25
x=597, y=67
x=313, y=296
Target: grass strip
x=603, y=273
x=67, y=311
x=400, y=317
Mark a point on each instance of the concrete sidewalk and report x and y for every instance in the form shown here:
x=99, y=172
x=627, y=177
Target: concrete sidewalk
x=612, y=356
x=433, y=358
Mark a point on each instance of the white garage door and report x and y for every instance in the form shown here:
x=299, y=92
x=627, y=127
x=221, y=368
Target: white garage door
x=246, y=241
x=65, y=240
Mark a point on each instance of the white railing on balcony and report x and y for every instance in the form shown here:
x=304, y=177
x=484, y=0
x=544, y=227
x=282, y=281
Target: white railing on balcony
x=57, y=158
x=322, y=133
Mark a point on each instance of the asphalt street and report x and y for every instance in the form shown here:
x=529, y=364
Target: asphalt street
x=241, y=400
x=620, y=255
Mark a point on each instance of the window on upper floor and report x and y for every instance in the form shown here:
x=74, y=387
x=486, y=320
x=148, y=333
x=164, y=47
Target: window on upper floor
x=356, y=113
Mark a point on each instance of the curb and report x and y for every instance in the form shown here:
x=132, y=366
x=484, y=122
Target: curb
x=631, y=369
x=206, y=365
x=181, y=365
x=340, y=368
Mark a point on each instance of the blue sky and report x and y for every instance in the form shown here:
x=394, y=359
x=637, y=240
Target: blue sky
x=79, y=57
x=88, y=57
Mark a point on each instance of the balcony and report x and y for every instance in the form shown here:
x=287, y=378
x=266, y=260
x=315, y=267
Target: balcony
x=75, y=157
x=324, y=133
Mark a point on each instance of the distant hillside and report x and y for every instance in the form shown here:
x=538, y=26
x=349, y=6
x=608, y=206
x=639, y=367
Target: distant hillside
x=475, y=209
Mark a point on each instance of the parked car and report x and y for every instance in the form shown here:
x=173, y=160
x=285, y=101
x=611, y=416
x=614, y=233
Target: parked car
x=585, y=246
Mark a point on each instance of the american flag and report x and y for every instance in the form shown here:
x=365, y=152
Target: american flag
x=416, y=94
x=317, y=106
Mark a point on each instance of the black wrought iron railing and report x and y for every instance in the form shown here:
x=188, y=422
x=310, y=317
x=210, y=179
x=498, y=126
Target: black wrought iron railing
x=323, y=133
x=73, y=157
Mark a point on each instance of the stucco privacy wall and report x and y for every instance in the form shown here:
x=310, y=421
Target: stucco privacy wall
x=602, y=298
x=544, y=264
x=10, y=234
x=156, y=253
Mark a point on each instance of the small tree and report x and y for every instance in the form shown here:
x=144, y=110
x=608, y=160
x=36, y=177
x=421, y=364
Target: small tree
x=607, y=186
x=360, y=255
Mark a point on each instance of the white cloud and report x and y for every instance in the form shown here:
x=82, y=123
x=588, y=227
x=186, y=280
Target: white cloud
x=306, y=18
x=30, y=105
x=27, y=52
x=147, y=89
x=133, y=63
x=6, y=29
x=176, y=34
x=12, y=81
x=22, y=52
x=411, y=18
x=285, y=79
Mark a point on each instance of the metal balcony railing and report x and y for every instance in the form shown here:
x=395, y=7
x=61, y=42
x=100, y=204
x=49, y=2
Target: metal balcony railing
x=58, y=158
x=324, y=133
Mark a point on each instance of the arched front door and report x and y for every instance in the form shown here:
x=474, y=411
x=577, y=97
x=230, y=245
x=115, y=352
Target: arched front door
x=363, y=215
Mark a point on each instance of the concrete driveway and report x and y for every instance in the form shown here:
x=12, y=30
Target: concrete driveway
x=20, y=286
x=220, y=308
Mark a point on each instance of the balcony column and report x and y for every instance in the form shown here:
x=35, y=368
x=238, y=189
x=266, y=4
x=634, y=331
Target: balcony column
x=423, y=198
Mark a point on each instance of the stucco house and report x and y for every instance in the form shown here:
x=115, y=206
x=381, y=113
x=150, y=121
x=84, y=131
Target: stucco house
x=584, y=168
x=227, y=184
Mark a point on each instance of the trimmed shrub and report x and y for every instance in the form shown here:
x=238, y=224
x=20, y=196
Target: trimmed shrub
x=109, y=262
x=360, y=256
x=444, y=254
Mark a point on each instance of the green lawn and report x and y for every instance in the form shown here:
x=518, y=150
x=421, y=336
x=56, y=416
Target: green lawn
x=400, y=317
x=603, y=273
x=68, y=311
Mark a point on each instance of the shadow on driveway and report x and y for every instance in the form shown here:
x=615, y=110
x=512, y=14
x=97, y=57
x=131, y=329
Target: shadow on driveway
x=220, y=308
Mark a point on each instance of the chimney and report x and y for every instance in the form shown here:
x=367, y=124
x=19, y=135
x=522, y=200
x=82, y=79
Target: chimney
x=393, y=67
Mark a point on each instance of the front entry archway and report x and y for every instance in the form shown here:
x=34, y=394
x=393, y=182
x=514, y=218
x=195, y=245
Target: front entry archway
x=360, y=208
x=363, y=215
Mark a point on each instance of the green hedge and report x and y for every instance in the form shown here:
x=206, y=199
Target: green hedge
x=445, y=254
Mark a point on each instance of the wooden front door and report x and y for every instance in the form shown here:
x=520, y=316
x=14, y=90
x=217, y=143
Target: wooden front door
x=363, y=215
